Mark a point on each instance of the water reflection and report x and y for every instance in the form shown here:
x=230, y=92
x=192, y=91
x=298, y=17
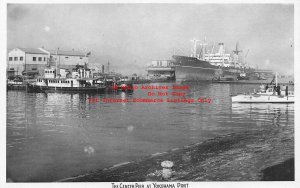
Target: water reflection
x=278, y=114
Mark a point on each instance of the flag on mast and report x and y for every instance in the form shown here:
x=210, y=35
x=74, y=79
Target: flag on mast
x=89, y=53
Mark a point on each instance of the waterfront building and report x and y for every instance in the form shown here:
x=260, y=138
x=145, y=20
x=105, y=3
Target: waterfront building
x=30, y=60
x=161, y=69
x=33, y=61
x=67, y=59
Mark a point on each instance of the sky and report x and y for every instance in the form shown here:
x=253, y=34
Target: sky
x=129, y=36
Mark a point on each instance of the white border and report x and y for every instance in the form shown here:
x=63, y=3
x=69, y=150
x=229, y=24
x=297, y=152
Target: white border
x=3, y=47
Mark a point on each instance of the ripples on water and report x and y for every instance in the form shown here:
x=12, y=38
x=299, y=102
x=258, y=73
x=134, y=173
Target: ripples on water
x=55, y=136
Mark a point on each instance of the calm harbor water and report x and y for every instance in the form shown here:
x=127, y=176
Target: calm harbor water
x=54, y=136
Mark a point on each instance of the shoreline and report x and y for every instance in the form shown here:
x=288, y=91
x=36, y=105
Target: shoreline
x=259, y=155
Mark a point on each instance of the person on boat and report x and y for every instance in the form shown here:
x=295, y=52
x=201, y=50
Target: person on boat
x=267, y=87
x=278, y=90
x=274, y=90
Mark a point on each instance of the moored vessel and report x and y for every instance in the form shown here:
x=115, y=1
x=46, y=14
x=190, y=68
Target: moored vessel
x=267, y=94
x=210, y=66
x=78, y=84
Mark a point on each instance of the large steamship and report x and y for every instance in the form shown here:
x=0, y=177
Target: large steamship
x=210, y=66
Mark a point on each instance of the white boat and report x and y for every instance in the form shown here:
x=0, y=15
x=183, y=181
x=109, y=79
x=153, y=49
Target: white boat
x=270, y=95
x=257, y=98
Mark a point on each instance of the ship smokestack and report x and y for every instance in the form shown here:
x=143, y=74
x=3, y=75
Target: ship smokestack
x=221, y=49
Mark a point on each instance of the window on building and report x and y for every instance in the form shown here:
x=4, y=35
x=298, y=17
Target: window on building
x=40, y=58
x=80, y=57
x=21, y=58
x=15, y=58
x=10, y=58
x=66, y=57
x=11, y=69
x=34, y=68
x=33, y=58
x=44, y=59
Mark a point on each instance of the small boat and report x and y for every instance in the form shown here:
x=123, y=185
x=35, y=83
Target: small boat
x=272, y=94
x=122, y=86
x=51, y=83
x=15, y=85
x=256, y=98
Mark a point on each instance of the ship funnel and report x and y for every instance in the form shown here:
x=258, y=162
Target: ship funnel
x=221, y=48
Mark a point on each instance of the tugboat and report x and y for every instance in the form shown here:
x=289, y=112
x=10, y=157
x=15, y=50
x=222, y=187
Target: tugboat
x=268, y=94
x=78, y=83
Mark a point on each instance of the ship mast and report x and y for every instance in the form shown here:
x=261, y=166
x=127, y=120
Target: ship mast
x=212, y=51
x=221, y=52
x=203, y=48
x=194, y=50
x=236, y=52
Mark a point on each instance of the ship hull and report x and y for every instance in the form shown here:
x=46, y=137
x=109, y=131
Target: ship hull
x=193, y=69
x=190, y=73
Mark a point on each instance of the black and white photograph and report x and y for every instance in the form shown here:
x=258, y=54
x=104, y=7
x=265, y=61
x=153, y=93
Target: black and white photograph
x=149, y=94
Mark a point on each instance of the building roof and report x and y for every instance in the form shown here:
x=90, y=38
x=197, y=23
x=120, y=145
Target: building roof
x=52, y=52
x=67, y=53
x=32, y=51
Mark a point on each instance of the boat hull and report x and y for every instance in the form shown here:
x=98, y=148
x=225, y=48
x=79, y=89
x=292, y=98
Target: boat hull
x=36, y=88
x=262, y=99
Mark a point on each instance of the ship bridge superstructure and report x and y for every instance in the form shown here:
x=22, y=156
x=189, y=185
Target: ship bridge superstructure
x=220, y=58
